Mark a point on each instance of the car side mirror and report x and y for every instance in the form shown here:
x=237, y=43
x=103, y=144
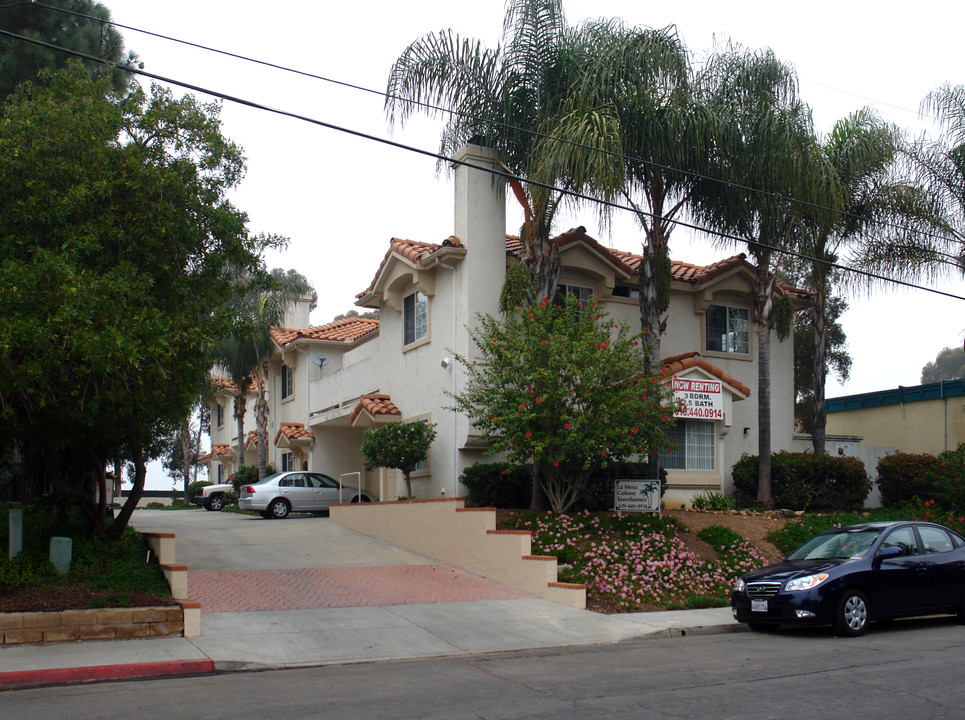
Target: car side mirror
x=889, y=552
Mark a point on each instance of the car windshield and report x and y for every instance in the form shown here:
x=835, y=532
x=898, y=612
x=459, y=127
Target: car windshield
x=842, y=545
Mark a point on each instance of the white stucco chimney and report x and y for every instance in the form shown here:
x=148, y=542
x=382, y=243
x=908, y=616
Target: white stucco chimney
x=480, y=223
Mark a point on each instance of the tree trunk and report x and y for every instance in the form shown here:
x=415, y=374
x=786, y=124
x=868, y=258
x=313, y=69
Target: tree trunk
x=820, y=370
x=240, y=406
x=137, y=490
x=186, y=456
x=763, y=307
x=261, y=419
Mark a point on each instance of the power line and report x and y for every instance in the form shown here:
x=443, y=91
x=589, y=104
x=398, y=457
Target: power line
x=496, y=123
x=453, y=161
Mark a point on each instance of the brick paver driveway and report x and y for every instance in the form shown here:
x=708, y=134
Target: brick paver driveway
x=238, y=563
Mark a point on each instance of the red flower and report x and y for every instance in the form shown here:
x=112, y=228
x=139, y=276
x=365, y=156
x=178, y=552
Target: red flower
x=567, y=426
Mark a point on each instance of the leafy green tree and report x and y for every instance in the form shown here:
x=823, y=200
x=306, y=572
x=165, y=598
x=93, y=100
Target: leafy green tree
x=837, y=359
x=245, y=349
x=21, y=61
x=767, y=153
x=117, y=247
x=563, y=388
x=949, y=364
x=398, y=445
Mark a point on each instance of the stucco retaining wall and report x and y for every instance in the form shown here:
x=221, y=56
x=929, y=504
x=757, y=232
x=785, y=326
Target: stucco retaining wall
x=466, y=538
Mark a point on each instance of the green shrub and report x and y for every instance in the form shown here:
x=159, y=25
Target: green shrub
x=803, y=481
x=719, y=536
x=247, y=475
x=713, y=500
x=497, y=485
x=916, y=479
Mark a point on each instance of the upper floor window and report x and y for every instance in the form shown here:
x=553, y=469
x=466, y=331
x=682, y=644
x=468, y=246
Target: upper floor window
x=694, y=446
x=219, y=415
x=287, y=382
x=728, y=329
x=415, y=318
x=580, y=292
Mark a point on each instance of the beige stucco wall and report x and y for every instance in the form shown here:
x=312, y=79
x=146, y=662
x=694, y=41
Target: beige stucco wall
x=926, y=426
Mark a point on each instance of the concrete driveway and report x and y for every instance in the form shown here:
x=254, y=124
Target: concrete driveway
x=243, y=563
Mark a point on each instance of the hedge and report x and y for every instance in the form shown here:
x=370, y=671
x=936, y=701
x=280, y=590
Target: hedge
x=910, y=478
x=804, y=481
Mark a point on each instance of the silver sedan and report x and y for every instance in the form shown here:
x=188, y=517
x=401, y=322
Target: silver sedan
x=282, y=493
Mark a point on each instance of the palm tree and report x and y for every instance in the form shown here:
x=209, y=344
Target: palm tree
x=244, y=352
x=767, y=153
x=499, y=98
x=876, y=208
x=642, y=77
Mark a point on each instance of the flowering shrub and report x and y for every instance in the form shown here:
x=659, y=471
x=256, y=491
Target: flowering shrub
x=631, y=563
x=913, y=479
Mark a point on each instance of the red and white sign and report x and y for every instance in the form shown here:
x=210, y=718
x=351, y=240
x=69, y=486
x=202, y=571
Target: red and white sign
x=698, y=398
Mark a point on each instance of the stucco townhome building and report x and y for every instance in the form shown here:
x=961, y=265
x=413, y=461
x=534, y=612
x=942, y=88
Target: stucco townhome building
x=328, y=384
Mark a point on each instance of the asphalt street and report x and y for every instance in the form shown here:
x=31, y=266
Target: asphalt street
x=906, y=669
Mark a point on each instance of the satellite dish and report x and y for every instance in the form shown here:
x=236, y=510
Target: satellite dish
x=320, y=359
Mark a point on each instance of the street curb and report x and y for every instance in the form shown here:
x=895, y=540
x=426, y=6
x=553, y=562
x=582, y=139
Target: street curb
x=101, y=673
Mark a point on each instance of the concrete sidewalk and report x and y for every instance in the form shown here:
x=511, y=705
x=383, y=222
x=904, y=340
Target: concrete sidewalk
x=301, y=638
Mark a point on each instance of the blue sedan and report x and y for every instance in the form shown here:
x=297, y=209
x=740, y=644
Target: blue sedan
x=849, y=576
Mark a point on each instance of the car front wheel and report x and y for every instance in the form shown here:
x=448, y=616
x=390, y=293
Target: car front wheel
x=279, y=508
x=215, y=503
x=853, y=614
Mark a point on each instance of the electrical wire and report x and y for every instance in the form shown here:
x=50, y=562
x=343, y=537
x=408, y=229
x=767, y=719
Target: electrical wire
x=494, y=123
x=496, y=172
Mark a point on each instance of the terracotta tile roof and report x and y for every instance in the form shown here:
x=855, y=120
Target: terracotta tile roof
x=413, y=251
x=626, y=261
x=252, y=439
x=679, y=363
x=375, y=404
x=293, y=431
x=216, y=450
x=345, y=330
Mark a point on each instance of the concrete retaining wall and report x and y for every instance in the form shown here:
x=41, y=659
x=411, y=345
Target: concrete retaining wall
x=466, y=538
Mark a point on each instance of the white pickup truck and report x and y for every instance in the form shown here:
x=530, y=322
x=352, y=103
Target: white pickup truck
x=211, y=497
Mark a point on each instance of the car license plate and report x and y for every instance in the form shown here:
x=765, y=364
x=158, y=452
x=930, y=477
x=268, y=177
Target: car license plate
x=758, y=605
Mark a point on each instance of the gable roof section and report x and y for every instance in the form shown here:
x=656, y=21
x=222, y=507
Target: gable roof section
x=413, y=253
x=686, y=361
x=292, y=432
x=373, y=408
x=216, y=451
x=346, y=330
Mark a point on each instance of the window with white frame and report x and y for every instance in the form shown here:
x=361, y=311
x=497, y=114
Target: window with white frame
x=693, y=443
x=220, y=474
x=581, y=292
x=287, y=382
x=415, y=318
x=219, y=415
x=728, y=329
x=287, y=462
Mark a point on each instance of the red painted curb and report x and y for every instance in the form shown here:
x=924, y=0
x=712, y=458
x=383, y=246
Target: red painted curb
x=98, y=673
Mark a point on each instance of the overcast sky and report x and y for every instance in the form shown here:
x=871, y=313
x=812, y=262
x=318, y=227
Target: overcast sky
x=341, y=198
